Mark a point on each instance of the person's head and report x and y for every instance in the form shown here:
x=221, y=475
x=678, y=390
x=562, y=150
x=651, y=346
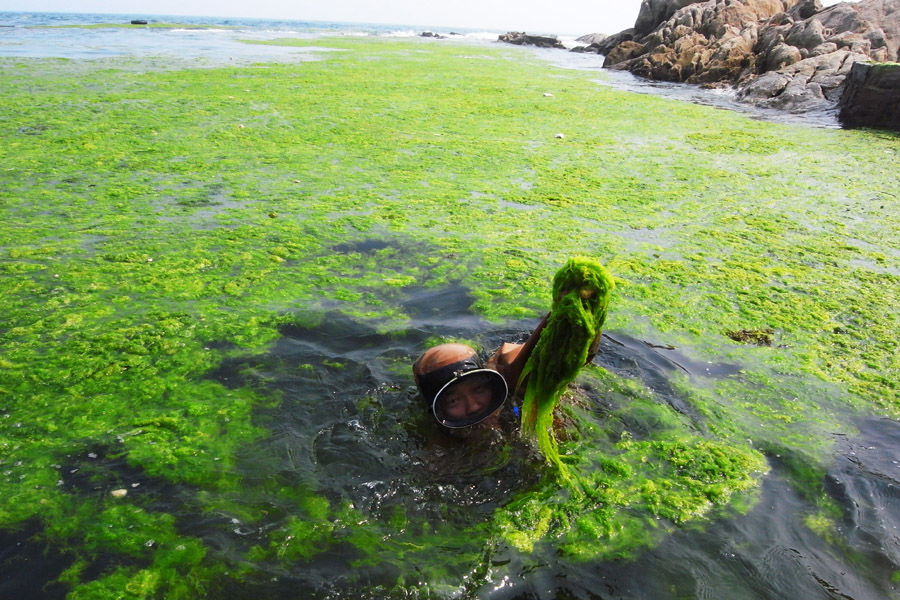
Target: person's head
x=456, y=387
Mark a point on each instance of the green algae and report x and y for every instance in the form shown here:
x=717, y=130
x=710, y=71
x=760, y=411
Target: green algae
x=139, y=251
x=625, y=492
x=581, y=292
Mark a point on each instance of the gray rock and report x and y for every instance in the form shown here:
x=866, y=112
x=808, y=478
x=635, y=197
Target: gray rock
x=826, y=48
x=870, y=96
x=524, y=39
x=806, y=34
x=654, y=12
x=804, y=9
x=782, y=55
x=614, y=40
x=764, y=87
x=812, y=83
x=592, y=39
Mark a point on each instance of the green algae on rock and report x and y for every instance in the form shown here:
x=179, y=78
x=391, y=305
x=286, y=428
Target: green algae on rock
x=581, y=292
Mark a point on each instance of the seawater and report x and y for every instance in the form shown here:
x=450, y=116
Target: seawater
x=219, y=42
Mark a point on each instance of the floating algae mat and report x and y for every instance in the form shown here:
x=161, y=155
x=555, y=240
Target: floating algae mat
x=213, y=282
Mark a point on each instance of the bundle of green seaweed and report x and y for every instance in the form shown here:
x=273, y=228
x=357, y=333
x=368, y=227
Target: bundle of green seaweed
x=581, y=290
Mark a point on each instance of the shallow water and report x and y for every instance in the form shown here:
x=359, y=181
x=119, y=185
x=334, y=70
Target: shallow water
x=384, y=454
x=215, y=42
x=350, y=425
x=723, y=98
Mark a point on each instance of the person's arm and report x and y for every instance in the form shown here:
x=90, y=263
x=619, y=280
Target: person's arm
x=510, y=359
x=595, y=346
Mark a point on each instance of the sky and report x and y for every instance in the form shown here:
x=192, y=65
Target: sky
x=559, y=17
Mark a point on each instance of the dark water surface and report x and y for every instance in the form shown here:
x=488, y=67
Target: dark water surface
x=386, y=453
x=350, y=425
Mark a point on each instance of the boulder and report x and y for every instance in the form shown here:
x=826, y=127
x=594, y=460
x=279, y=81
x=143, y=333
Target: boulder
x=870, y=96
x=815, y=83
x=790, y=54
x=623, y=52
x=806, y=34
x=654, y=12
x=877, y=21
x=592, y=39
x=614, y=40
x=804, y=9
x=704, y=42
x=780, y=56
x=524, y=39
x=700, y=42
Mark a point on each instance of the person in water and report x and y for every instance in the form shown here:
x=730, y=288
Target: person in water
x=461, y=391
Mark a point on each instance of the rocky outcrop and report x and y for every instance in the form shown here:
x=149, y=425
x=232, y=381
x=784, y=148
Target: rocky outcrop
x=803, y=63
x=654, y=12
x=607, y=43
x=702, y=42
x=524, y=39
x=592, y=39
x=871, y=96
x=807, y=84
x=789, y=54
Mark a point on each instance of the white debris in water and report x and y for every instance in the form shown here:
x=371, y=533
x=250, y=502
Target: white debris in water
x=560, y=136
x=548, y=95
x=120, y=493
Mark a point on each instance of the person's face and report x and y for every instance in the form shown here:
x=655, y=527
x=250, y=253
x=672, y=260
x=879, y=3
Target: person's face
x=468, y=397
